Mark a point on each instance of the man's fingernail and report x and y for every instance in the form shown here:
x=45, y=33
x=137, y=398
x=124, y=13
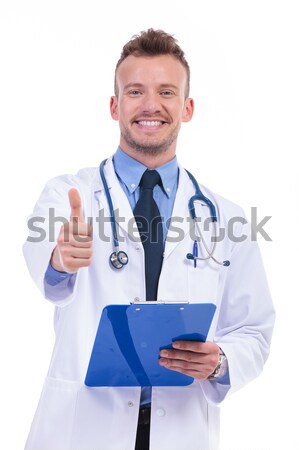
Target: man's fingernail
x=164, y=353
x=176, y=344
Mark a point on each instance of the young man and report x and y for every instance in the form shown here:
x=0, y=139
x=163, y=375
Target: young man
x=73, y=271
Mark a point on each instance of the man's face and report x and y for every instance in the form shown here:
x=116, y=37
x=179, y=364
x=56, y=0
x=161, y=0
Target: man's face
x=151, y=103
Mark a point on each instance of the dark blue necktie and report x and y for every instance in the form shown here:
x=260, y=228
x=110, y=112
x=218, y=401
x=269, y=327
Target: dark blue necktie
x=147, y=216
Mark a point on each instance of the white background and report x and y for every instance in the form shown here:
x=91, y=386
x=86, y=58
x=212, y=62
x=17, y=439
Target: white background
x=57, y=63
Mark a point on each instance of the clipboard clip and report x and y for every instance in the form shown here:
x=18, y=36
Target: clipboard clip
x=159, y=302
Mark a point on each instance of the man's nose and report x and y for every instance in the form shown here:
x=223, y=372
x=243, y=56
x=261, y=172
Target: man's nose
x=151, y=103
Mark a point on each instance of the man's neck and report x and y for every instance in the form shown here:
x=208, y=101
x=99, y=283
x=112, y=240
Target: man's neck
x=148, y=160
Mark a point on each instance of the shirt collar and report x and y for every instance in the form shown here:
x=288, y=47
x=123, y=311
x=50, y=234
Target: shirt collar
x=130, y=172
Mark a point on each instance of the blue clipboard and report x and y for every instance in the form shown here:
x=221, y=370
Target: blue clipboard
x=129, y=339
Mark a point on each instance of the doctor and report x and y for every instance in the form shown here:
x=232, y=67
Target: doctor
x=73, y=272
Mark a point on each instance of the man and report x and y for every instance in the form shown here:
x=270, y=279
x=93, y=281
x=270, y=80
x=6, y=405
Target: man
x=72, y=270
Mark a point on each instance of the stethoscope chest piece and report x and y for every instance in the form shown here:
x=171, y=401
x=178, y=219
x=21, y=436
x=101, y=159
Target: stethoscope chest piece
x=119, y=259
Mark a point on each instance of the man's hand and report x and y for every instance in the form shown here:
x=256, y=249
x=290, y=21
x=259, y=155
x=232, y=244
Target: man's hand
x=193, y=358
x=74, y=243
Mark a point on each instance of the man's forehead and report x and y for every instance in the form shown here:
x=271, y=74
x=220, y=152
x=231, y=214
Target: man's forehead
x=166, y=69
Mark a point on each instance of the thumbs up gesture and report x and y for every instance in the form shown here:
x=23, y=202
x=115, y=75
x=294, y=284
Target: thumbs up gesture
x=74, y=243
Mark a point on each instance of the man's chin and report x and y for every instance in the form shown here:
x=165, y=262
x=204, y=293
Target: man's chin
x=149, y=147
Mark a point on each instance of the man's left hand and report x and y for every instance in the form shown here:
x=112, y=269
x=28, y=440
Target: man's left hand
x=193, y=358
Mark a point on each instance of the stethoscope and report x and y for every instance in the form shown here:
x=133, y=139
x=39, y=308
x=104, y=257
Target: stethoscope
x=119, y=258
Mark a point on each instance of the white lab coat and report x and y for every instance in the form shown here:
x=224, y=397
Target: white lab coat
x=72, y=416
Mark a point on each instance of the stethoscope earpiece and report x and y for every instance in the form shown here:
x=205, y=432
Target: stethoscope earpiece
x=225, y=263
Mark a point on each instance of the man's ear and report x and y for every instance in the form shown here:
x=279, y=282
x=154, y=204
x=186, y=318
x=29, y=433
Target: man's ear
x=114, y=107
x=188, y=110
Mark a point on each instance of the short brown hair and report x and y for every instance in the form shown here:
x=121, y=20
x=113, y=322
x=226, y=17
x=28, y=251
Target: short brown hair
x=152, y=43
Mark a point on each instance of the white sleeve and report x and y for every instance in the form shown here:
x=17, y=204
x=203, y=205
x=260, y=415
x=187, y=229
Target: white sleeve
x=245, y=321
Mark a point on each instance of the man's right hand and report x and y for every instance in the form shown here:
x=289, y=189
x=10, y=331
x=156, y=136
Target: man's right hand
x=74, y=243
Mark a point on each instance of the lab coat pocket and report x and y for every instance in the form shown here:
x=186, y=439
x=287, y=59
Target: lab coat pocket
x=203, y=282
x=52, y=426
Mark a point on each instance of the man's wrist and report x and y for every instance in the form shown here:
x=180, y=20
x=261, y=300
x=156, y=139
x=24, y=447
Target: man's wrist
x=221, y=368
x=54, y=277
x=55, y=261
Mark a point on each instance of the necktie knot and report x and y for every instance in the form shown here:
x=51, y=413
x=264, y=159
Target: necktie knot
x=149, y=179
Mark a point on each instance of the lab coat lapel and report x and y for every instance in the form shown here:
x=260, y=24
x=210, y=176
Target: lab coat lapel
x=180, y=223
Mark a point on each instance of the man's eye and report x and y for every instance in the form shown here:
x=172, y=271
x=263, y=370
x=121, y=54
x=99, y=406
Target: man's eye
x=166, y=93
x=134, y=92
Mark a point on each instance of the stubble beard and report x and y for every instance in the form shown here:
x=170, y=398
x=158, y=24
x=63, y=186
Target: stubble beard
x=150, y=147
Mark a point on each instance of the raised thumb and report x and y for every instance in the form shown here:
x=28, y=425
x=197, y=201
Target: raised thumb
x=75, y=204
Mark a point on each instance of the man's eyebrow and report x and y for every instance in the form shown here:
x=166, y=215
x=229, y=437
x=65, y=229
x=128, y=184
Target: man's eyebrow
x=169, y=85
x=140, y=85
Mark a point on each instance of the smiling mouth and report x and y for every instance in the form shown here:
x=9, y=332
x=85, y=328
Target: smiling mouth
x=150, y=123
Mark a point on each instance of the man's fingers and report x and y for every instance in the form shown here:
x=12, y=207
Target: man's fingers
x=75, y=204
x=180, y=364
x=199, y=372
x=75, y=252
x=199, y=358
x=191, y=356
x=76, y=233
x=196, y=346
x=73, y=264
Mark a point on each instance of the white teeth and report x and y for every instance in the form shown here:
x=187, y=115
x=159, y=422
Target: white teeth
x=152, y=123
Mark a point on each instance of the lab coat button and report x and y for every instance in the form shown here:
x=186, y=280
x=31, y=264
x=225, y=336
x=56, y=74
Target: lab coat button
x=160, y=412
x=130, y=404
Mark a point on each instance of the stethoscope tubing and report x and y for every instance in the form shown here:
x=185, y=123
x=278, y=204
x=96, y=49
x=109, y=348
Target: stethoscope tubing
x=119, y=258
x=110, y=205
